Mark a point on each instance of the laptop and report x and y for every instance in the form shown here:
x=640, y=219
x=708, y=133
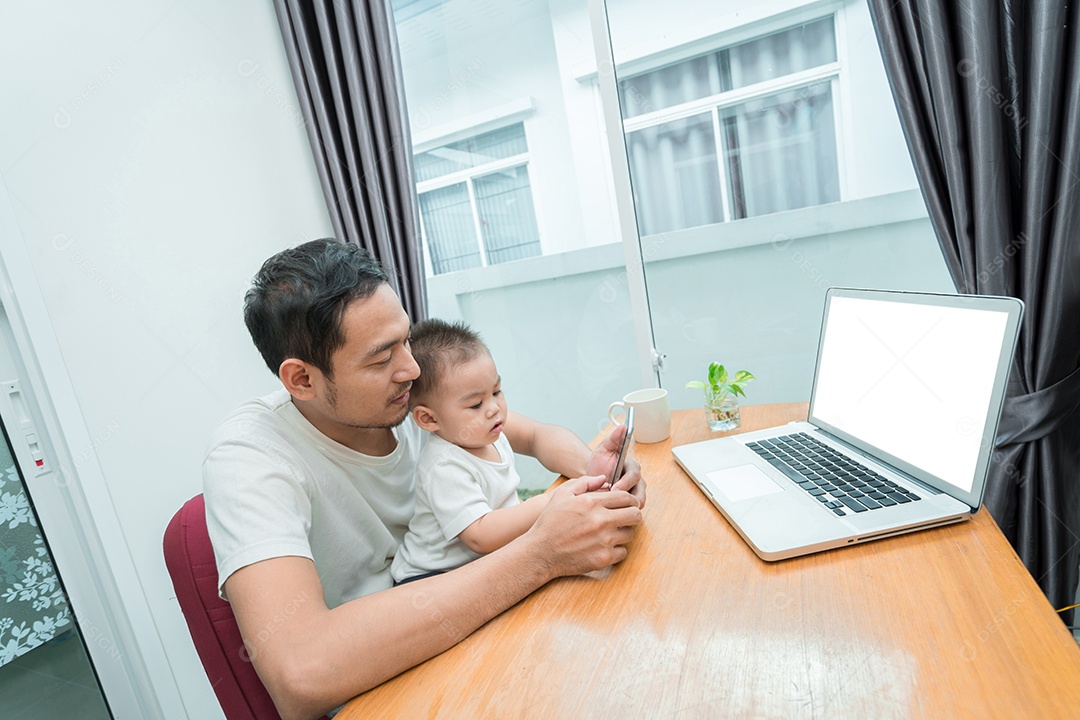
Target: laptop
x=904, y=409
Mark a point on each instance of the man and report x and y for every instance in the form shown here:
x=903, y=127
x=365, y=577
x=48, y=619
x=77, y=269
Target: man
x=309, y=492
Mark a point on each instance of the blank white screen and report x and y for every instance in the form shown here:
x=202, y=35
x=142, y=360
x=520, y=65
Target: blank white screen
x=912, y=380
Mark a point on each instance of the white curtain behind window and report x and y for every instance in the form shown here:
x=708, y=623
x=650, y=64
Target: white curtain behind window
x=779, y=150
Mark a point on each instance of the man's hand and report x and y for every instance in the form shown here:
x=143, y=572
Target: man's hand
x=581, y=530
x=604, y=458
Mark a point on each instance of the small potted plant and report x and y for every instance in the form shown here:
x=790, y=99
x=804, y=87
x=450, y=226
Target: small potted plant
x=721, y=396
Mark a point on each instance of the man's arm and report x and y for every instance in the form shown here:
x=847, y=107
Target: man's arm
x=312, y=658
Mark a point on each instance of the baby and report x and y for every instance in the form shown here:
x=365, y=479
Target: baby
x=466, y=484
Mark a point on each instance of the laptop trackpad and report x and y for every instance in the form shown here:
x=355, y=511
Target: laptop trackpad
x=743, y=482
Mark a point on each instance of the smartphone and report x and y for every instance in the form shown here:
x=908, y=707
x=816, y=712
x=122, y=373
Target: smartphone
x=624, y=450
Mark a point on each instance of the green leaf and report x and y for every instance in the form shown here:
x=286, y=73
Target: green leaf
x=720, y=385
x=714, y=373
x=717, y=374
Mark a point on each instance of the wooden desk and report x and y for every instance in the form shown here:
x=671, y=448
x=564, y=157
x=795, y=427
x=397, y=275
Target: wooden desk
x=938, y=624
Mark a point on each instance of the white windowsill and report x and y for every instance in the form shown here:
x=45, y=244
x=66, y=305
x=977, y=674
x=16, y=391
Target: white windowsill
x=470, y=125
x=779, y=228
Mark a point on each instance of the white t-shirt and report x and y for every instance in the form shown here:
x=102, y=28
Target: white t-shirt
x=454, y=489
x=275, y=486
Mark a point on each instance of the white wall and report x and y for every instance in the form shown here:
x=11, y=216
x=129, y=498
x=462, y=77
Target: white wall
x=154, y=155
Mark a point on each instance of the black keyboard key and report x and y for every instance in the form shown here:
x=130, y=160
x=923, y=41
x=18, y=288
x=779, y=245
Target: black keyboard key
x=784, y=468
x=853, y=504
x=834, y=479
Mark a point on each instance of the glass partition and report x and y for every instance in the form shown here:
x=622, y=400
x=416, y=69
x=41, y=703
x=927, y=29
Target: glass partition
x=516, y=206
x=766, y=164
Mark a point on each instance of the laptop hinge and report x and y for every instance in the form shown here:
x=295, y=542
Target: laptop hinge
x=839, y=441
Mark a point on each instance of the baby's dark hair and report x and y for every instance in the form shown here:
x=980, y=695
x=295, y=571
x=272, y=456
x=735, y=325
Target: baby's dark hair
x=438, y=347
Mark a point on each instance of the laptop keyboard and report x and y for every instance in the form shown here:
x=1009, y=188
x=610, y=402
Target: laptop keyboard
x=838, y=482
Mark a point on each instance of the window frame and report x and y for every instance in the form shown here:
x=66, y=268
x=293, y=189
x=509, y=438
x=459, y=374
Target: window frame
x=715, y=104
x=468, y=177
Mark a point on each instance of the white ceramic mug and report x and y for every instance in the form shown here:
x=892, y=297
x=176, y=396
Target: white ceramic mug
x=652, y=417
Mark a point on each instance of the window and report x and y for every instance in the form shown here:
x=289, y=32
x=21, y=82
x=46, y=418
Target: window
x=476, y=206
x=717, y=130
x=744, y=131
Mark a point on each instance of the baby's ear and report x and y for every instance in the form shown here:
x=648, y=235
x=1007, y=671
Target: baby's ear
x=425, y=418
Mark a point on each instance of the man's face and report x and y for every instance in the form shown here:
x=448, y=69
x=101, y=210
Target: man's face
x=373, y=370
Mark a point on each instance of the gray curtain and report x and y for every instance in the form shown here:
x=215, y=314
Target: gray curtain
x=344, y=61
x=989, y=99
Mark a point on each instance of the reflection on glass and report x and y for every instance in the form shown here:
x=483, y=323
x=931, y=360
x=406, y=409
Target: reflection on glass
x=477, y=189
x=767, y=164
x=676, y=175
x=780, y=152
x=507, y=220
x=449, y=228
x=798, y=48
x=759, y=60
x=516, y=201
x=471, y=152
x=669, y=86
x=779, y=148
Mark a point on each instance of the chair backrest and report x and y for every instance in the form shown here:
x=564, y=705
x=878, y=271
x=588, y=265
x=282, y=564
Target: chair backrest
x=190, y=560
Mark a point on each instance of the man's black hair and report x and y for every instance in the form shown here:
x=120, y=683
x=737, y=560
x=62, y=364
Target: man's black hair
x=297, y=300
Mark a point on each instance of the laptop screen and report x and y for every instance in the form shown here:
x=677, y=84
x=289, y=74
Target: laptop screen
x=915, y=381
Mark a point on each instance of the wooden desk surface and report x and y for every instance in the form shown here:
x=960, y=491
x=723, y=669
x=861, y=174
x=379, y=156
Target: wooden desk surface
x=938, y=624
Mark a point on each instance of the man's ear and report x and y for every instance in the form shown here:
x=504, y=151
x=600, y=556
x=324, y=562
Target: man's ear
x=299, y=378
x=425, y=418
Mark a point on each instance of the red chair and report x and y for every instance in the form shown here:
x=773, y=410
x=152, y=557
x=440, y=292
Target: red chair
x=190, y=559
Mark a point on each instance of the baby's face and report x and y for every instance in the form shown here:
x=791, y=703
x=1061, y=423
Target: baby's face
x=470, y=408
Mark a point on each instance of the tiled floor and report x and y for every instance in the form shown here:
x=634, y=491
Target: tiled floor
x=52, y=681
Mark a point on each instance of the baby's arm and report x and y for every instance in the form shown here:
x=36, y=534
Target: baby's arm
x=498, y=527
